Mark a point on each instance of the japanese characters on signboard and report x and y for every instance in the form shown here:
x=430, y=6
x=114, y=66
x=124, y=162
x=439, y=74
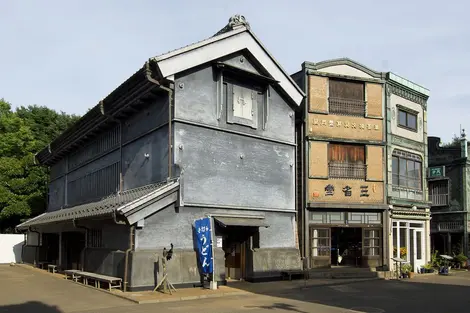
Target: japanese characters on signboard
x=204, y=247
x=345, y=124
x=346, y=190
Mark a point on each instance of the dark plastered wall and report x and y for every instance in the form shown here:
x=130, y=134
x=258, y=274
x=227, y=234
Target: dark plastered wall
x=212, y=153
x=144, y=158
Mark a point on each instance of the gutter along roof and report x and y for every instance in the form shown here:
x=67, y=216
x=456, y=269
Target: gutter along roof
x=129, y=201
x=235, y=36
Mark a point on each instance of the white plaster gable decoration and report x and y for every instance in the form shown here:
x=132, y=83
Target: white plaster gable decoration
x=234, y=37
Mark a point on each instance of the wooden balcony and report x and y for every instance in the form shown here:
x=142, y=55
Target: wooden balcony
x=342, y=106
x=347, y=170
x=439, y=199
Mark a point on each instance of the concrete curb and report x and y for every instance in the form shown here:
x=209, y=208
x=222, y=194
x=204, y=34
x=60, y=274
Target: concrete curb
x=188, y=298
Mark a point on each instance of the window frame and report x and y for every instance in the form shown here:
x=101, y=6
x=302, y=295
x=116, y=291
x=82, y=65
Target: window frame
x=377, y=238
x=347, y=170
x=408, y=112
x=445, y=185
x=323, y=248
x=335, y=102
x=397, y=175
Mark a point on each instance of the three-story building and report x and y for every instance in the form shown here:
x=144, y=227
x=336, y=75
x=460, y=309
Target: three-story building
x=341, y=137
x=409, y=225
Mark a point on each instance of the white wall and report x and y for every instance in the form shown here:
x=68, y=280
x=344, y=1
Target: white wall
x=416, y=136
x=10, y=248
x=345, y=70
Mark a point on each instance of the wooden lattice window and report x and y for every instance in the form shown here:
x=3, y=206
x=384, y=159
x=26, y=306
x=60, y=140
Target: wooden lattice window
x=346, y=161
x=346, y=97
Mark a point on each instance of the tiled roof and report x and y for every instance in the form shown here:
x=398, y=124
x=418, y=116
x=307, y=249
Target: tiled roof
x=105, y=206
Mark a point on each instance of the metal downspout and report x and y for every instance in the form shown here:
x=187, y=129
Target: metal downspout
x=126, y=261
x=37, y=246
x=22, y=247
x=148, y=74
x=83, y=252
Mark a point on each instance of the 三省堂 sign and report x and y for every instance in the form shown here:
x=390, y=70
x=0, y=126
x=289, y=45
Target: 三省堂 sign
x=204, y=247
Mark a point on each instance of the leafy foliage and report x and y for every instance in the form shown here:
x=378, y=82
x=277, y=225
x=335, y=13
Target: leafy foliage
x=454, y=143
x=23, y=184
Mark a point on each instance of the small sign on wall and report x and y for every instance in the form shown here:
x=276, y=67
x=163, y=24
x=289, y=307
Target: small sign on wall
x=219, y=242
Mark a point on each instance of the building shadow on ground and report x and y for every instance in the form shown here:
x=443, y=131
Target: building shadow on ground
x=29, y=307
x=439, y=294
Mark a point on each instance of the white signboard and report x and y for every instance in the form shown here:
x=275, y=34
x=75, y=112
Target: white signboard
x=219, y=242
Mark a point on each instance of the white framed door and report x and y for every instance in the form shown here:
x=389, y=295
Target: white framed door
x=417, y=257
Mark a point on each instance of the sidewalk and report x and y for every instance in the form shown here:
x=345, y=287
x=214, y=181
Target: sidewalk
x=233, y=289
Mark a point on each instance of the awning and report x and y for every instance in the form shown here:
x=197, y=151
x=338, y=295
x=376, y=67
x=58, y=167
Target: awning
x=241, y=221
x=130, y=204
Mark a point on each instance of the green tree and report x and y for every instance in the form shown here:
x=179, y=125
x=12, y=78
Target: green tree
x=23, y=184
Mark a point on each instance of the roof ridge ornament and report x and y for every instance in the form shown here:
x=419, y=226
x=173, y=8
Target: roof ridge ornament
x=234, y=22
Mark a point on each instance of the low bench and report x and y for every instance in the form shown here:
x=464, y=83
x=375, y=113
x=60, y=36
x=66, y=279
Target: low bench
x=73, y=274
x=289, y=273
x=113, y=282
x=52, y=268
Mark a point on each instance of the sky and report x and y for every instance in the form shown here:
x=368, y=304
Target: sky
x=68, y=55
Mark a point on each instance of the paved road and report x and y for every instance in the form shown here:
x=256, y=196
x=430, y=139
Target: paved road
x=24, y=290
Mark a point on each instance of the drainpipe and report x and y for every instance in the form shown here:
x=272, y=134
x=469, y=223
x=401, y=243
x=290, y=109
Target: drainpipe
x=22, y=247
x=37, y=246
x=148, y=74
x=86, y=241
x=126, y=262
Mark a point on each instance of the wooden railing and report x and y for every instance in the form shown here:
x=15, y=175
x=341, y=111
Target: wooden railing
x=439, y=199
x=347, y=106
x=347, y=170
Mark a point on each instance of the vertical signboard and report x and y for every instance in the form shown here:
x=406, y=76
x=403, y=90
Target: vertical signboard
x=204, y=244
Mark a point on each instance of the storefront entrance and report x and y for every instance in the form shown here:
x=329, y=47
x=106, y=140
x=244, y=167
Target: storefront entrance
x=351, y=239
x=409, y=242
x=346, y=246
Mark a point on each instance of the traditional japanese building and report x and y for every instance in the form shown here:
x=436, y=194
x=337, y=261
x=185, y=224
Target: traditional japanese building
x=448, y=184
x=409, y=209
x=204, y=130
x=341, y=135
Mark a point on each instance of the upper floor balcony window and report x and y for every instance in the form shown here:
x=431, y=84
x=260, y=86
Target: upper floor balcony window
x=439, y=192
x=346, y=161
x=346, y=97
x=406, y=170
x=407, y=119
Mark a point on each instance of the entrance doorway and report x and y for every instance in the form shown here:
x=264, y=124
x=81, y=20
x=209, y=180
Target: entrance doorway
x=50, y=248
x=73, y=245
x=409, y=242
x=416, y=246
x=236, y=241
x=346, y=246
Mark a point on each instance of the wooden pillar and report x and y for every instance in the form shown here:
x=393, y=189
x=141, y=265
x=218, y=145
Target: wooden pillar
x=60, y=250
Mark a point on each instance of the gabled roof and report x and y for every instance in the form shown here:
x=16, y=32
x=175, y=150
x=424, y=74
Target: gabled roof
x=119, y=204
x=235, y=36
x=343, y=61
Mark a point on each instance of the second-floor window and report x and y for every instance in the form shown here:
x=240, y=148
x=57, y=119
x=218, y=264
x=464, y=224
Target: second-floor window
x=407, y=119
x=439, y=192
x=346, y=161
x=346, y=97
x=406, y=169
